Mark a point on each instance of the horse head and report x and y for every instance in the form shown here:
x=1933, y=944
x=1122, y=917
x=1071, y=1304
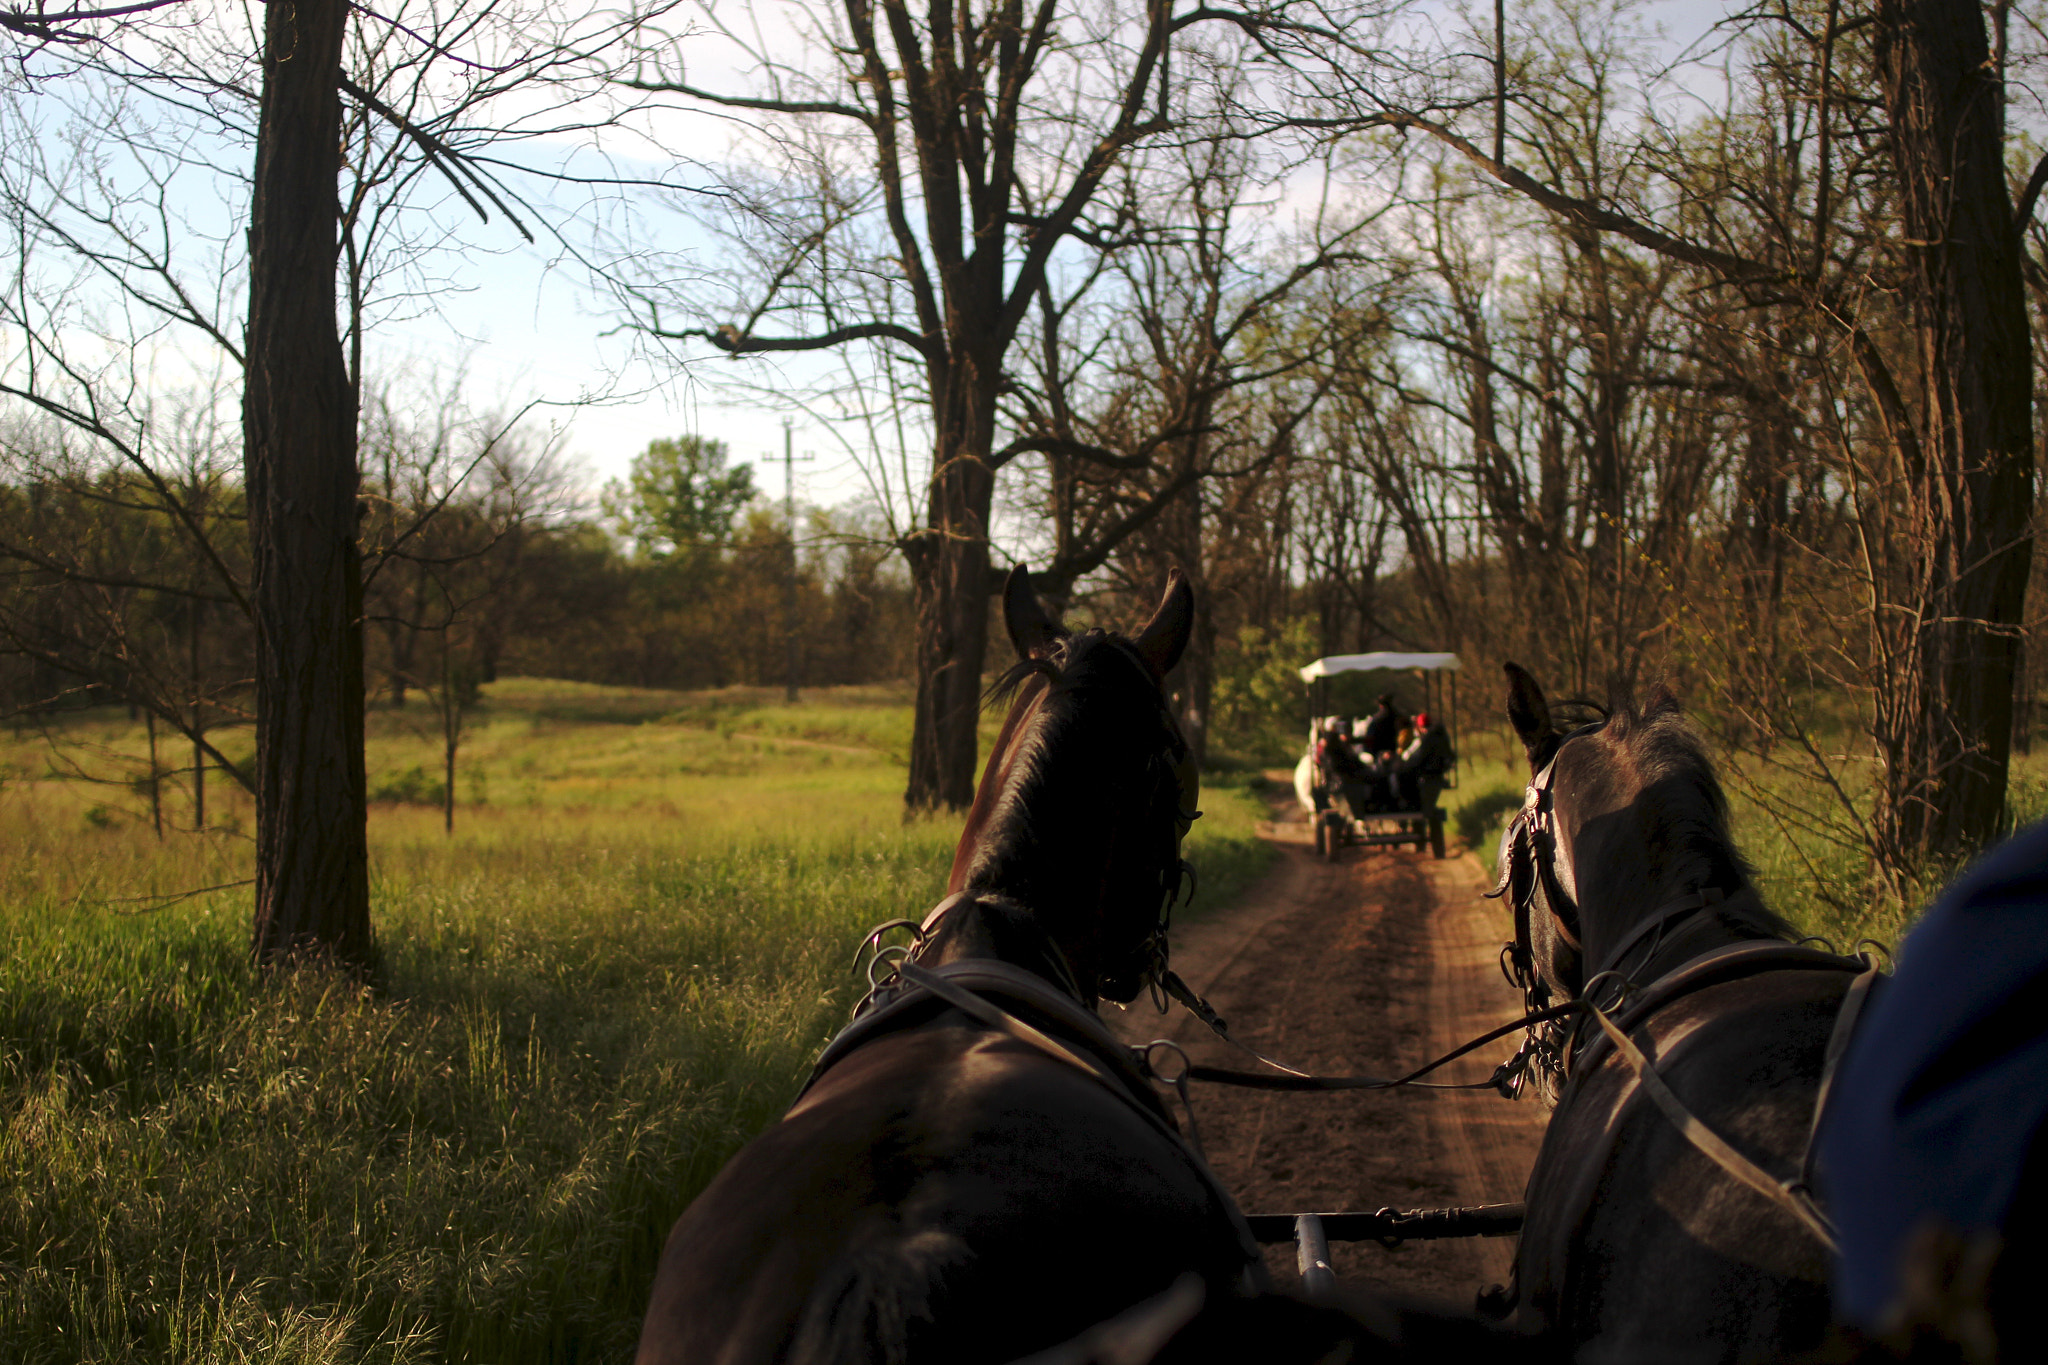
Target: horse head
x=1087, y=791
x=1621, y=842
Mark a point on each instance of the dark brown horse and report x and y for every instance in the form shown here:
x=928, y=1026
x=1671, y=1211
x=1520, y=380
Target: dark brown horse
x=976, y=1170
x=1629, y=892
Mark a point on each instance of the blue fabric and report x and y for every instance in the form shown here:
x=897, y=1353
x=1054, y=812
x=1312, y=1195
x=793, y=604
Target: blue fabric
x=1938, y=1100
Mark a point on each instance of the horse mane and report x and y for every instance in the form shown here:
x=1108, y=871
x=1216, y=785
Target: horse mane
x=1052, y=666
x=1659, y=748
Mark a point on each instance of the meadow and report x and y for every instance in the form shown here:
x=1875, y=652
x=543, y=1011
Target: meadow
x=1815, y=878
x=613, y=972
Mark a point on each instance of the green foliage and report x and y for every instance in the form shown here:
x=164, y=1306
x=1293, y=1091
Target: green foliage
x=1481, y=815
x=600, y=987
x=679, y=498
x=1225, y=848
x=412, y=787
x=1259, y=704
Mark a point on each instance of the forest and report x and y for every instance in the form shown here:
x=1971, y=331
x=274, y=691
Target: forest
x=1542, y=332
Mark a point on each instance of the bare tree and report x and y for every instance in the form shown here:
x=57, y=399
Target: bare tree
x=1968, y=449
x=106, y=588
x=453, y=506
x=936, y=168
x=305, y=578
x=1164, y=384
x=417, y=86
x=1937, y=426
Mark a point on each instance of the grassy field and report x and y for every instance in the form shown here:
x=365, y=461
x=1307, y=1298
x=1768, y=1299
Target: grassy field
x=615, y=971
x=1821, y=886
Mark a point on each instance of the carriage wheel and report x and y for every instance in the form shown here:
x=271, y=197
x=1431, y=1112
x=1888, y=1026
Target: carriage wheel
x=1322, y=834
x=1332, y=839
x=1436, y=837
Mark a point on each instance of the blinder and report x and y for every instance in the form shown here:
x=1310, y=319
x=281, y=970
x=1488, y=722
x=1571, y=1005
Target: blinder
x=1529, y=845
x=1528, y=878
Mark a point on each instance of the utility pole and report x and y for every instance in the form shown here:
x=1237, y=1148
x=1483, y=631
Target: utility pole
x=792, y=657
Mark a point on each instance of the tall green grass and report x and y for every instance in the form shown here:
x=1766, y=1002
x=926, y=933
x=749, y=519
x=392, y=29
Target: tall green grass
x=614, y=973
x=1819, y=880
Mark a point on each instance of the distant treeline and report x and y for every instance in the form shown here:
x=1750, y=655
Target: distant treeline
x=582, y=608
x=478, y=558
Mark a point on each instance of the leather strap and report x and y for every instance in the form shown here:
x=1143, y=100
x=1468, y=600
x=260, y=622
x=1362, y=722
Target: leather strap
x=1710, y=1143
x=1729, y=963
x=984, y=982
x=1853, y=1001
x=1003, y=1021
x=1683, y=908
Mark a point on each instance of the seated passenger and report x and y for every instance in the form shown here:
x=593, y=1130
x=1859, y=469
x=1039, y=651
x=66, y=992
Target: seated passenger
x=1427, y=755
x=1934, y=1147
x=1383, y=730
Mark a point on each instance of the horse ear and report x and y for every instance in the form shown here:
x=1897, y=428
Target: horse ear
x=1164, y=637
x=1031, y=630
x=1528, y=709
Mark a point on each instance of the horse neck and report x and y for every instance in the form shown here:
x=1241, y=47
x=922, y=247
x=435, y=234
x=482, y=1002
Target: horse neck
x=1637, y=888
x=1057, y=889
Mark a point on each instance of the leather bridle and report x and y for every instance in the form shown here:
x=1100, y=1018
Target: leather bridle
x=1530, y=882
x=1533, y=885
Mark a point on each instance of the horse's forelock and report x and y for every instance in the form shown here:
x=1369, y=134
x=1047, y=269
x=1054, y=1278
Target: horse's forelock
x=1658, y=742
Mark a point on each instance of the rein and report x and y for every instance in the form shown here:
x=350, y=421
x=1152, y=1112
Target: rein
x=1304, y=1081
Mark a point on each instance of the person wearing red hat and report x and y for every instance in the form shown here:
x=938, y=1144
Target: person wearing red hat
x=1427, y=755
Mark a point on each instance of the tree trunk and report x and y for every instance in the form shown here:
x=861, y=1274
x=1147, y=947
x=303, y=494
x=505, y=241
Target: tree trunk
x=949, y=564
x=198, y=721
x=299, y=433
x=1952, y=738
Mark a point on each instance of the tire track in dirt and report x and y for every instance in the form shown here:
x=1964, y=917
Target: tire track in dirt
x=1369, y=965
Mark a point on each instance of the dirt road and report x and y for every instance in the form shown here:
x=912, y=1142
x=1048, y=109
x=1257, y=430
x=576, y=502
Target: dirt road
x=1371, y=965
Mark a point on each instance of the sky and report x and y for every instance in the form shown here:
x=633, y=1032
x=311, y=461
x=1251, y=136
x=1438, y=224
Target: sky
x=524, y=332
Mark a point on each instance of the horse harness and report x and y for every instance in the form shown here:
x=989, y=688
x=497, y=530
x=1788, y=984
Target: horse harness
x=1561, y=1046
x=1022, y=1004
x=993, y=992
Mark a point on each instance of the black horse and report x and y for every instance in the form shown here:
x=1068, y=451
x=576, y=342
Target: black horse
x=977, y=1171
x=1629, y=893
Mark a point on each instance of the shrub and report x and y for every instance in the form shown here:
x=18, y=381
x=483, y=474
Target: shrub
x=1259, y=706
x=410, y=788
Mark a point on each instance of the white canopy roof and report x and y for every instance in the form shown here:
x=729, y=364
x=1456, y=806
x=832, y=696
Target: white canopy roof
x=1358, y=663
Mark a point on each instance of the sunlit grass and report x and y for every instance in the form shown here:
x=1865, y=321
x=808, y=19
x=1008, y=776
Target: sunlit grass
x=615, y=971
x=1811, y=871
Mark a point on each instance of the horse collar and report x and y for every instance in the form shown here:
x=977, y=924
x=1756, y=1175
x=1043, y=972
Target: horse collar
x=1062, y=970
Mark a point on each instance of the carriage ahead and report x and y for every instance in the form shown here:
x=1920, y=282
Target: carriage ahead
x=1376, y=780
